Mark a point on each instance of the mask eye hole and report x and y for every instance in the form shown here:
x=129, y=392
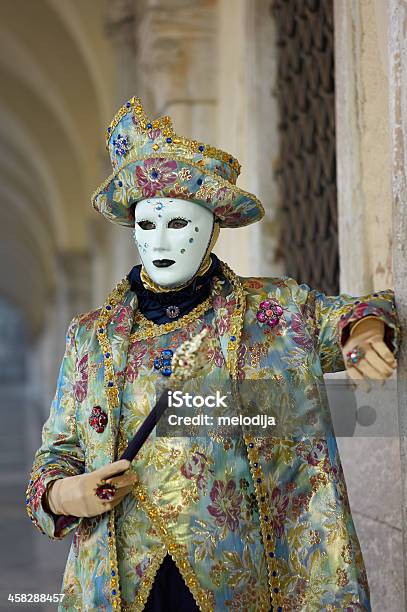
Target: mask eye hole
x=177, y=223
x=145, y=224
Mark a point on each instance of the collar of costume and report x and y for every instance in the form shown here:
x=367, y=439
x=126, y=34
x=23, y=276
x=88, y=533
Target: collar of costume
x=171, y=305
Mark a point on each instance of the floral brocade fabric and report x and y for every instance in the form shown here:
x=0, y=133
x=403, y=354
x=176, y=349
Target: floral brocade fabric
x=199, y=500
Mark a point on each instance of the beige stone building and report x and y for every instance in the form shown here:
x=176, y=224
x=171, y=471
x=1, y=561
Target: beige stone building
x=226, y=72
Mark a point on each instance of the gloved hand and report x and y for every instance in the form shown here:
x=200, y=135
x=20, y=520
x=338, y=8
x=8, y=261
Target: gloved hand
x=75, y=495
x=378, y=362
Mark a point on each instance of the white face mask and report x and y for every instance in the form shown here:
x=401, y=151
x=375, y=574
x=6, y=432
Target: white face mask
x=172, y=237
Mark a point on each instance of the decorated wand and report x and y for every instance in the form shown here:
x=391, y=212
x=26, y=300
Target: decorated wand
x=187, y=362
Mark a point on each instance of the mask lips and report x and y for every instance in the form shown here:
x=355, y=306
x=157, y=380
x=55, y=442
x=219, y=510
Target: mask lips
x=163, y=263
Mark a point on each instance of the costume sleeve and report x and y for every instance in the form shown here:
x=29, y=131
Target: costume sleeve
x=60, y=454
x=328, y=318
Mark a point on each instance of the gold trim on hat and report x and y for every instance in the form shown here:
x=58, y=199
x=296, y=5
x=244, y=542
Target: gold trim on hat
x=165, y=124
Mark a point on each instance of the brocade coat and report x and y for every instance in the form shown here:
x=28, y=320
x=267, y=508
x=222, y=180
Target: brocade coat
x=252, y=523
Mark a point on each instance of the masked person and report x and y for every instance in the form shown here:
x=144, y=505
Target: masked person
x=246, y=523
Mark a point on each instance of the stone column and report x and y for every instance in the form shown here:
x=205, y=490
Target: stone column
x=364, y=173
x=176, y=54
x=247, y=121
x=363, y=151
x=397, y=58
x=113, y=246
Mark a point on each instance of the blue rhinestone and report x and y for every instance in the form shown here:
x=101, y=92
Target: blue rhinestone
x=128, y=104
x=275, y=590
x=274, y=573
x=107, y=355
x=233, y=338
x=108, y=307
x=101, y=330
x=167, y=352
x=169, y=139
x=166, y=362
x=113, y=591
x=109, y=129
x=157, y=363
x=149, y=125
x=154, y=174
x=117, y=151
x=251, y=445
x=258, y=480
x=109, y=533
x=199, y=181
x=120, y=184
x=271, y=554
x=266, y=518
x=375, y=295
x=256, y=465
x=166, y=371
x=279, y=609
x=357, y=302
x=27, y=501
x=201, y=148
x=110, y=384
x=113, y=573
x=230, y=160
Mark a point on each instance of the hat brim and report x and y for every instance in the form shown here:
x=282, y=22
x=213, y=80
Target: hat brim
x=165, y=176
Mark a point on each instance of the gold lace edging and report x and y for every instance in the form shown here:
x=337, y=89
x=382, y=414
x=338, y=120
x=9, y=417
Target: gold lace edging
x=112, y=394
x=147, y=582
x=204, y=599
x=252, y=451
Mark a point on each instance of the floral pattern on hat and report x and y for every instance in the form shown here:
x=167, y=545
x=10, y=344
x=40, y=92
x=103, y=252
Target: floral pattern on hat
x=162, y=177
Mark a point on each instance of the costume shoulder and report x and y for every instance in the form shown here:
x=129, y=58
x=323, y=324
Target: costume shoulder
x=259, y=285
x=118, y=298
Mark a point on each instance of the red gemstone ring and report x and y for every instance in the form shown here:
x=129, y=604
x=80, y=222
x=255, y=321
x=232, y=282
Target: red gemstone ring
x=105, y=490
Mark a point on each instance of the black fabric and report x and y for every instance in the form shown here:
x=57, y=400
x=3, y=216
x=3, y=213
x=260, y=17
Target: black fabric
x=169, y=592
x=153, y=305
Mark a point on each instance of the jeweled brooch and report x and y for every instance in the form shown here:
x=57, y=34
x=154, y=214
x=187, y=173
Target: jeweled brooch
x=269, y=313
x=163, y=363
x=172, y=312
x=121, y=145
x=98, y=419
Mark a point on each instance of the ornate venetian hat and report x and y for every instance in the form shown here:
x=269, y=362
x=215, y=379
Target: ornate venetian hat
x=150, y=160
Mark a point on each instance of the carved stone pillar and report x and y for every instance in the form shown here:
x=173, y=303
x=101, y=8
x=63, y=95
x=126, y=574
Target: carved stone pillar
x=247, y=122
x=397, y=58
x=114, y=252
x=120, y=26
x=176, y=50
x=366, y=88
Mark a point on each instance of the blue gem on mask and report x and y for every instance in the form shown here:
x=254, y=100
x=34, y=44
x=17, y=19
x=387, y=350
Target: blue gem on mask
x=159, y=206
x=163, y=363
